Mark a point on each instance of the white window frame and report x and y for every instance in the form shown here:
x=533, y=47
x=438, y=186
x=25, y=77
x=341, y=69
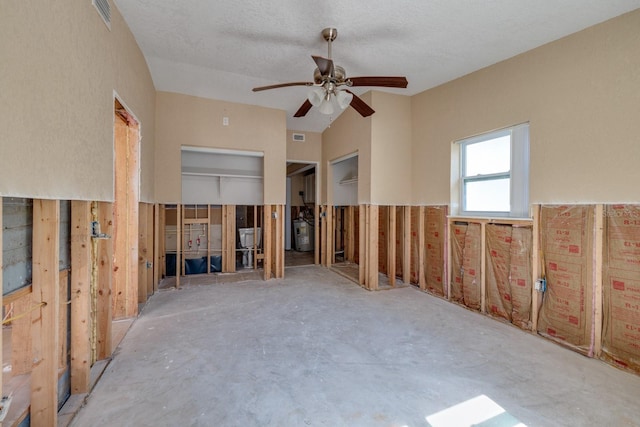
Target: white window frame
x=518, y=173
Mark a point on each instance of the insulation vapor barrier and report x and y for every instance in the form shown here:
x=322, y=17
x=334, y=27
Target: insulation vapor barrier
x=435, y=219
x=465, y=279
x=509, y=273
x=566, y=315
x=621, y=287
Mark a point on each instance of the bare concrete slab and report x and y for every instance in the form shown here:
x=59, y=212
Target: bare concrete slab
x=315, y=349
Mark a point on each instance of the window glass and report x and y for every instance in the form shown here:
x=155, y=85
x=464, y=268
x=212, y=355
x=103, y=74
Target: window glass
x=490, y=195
x=488, y=157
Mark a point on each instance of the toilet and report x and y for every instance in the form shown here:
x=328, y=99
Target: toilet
x=248, y=242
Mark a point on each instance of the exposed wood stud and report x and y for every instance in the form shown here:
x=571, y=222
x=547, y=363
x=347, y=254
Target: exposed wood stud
x=1, y=284
x=537, y=268
x=255, y=234
x=279, y=240
x=391, y=246
x=373, y=240
x=330, y=232
x=161, y=254
x=183, y=261
x=483, y=267
x=142, y=254
x=46, y=295
x=105, y=265
x=267, y=241
x=317, y=235
x=598, y=244
x=157, y=237
x=21, y=342
x=178, y=244
x=149, y=264
x=406, y=249
x=362, y=245
x=422, y=279
x=321, y=235
x=350, y=249
x=447, y=257
x=81, y=262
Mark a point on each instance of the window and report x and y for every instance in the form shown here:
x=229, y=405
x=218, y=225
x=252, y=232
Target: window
x=494, y=173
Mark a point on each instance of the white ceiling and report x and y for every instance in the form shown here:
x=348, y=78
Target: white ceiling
x=221, y=49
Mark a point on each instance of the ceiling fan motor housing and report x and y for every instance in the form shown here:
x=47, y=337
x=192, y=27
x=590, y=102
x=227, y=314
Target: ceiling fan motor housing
x=338, y=75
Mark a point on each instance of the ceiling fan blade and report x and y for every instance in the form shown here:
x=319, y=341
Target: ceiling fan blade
x=258, y=89
x=324, y=65
x=400, y=82
x=303, y=110
x=360, y=106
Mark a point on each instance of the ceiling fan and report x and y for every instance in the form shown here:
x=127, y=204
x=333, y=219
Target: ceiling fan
x=328, y=78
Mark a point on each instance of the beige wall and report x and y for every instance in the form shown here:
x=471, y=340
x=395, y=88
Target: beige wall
x=60, y=68
x=349, y=133
x=581, y=96
x=188, y=120
x=391, y=149
x=308, y=151
x=297, y=185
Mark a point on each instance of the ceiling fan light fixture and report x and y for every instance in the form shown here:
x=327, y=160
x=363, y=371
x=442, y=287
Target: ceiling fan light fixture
x=326, y=107
x=344, y=99
x=316, y=96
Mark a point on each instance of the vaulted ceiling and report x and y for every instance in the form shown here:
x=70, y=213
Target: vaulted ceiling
x=222, y=49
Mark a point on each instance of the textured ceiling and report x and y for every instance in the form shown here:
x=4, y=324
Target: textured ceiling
x=221, y=49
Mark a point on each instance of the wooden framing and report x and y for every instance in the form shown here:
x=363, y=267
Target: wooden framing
x=157, y=237
x=21, y=342
x=178, y=244
x=317, y=234
x=483, y=267
x=1, y=284
x=266, y=241
x=278, y=241
x=362, y=244
x=81, y=246
x=46, y=295
x=483, y=257
x=537, y=267
x=422, y=279
x=350, y=225
x=371, y=247
x=142, y=254
x=149, y=264
x=126, y=210
x=322, y=234
x=330, y=234
x=104, y=255
x=161, y=257
x=598, y=245
x=406, y=248
x=229, y=238
x=391, y=246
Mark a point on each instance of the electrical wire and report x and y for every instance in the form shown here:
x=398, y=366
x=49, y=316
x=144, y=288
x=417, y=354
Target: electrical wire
x=33, y=307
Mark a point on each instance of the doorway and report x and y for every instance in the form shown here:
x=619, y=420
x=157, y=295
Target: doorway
x=301, y=215
x=125, y=212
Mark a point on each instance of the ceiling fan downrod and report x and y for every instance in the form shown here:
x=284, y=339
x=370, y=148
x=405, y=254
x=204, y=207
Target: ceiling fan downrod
x=329, y=35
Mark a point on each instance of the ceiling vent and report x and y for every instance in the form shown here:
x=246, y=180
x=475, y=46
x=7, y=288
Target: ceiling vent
x=298, y=137
x=103, y=8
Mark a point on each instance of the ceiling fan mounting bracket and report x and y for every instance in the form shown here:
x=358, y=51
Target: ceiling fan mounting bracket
x=329, y=34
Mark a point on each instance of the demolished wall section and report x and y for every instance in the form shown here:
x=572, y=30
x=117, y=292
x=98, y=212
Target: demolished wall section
x=621, y=287
x=567, y=248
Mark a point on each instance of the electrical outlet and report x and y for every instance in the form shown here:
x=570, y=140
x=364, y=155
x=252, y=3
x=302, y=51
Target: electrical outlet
x=541, y=285
x=225, y=121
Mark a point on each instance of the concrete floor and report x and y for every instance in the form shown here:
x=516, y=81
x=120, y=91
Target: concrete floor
x=315, y=349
